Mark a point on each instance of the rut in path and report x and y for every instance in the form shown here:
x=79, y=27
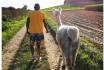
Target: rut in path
x=11, y=48
x=53, y=52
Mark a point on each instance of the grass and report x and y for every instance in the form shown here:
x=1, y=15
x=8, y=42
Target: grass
x=52, y=23
x=23, y=57
x=90, y=57
x=96, y=7
x=10, y=27
x=64, y=7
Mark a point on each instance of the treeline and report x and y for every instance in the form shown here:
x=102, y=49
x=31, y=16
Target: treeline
x=12, y=21
x=13, y=13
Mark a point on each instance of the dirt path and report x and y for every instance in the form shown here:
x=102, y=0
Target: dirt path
x=11, y=48
x=52, y=51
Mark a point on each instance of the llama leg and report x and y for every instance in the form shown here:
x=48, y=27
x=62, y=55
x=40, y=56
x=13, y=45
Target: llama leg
x=68, y=62
x=69, y=54
x=63, y=60
x=68, y=58
x=74, y=58
x=75, y=49
x=64, y=63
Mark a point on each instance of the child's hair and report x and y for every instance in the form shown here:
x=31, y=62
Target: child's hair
x=37, y=6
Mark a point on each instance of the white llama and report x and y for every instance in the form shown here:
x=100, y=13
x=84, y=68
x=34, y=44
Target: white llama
x=68, y=40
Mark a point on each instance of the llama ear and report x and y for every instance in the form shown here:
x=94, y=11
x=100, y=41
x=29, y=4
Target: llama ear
x=60, y=9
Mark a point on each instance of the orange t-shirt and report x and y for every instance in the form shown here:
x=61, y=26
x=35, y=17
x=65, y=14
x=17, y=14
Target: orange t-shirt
x=36, y=22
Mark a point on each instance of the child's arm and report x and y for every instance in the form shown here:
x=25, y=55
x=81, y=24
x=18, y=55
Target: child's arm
x=27, y=24
x=46, y=25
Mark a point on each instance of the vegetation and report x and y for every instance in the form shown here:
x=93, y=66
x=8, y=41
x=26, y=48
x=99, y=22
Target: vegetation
x=12, y=20
x=89, y=56
x=98, y=7
x=10, y=27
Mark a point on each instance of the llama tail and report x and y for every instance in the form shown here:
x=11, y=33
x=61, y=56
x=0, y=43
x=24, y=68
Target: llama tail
x=73, y=33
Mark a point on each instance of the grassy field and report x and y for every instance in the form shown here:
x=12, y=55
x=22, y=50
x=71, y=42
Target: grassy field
x=10, y=27
x=97, y=7
x=90, y=57
x=23, y=61
x=64, y=7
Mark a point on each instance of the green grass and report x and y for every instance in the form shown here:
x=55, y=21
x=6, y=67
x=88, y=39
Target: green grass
x=10, y=27
x=52, y=23
x=64, y=7
x=96, y=7
x=22, y=59
x=90, y=57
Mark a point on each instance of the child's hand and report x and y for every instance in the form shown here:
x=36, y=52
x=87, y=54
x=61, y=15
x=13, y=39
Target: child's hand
x=48, y=31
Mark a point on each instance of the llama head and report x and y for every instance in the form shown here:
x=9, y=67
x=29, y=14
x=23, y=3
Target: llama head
x=57, y=12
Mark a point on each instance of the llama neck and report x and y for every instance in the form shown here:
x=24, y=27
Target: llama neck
x=59, y=20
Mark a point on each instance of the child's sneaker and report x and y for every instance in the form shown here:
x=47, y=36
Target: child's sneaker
x=40, y=58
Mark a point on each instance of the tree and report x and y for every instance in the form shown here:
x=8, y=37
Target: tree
x=24, y=7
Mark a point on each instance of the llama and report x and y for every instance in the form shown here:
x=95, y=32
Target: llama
x=68, y=40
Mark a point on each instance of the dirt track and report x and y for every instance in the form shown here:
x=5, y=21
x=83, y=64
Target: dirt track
x=53, y=52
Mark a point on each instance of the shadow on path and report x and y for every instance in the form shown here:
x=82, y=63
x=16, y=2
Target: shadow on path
x=22, y=59
x=31, y=65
